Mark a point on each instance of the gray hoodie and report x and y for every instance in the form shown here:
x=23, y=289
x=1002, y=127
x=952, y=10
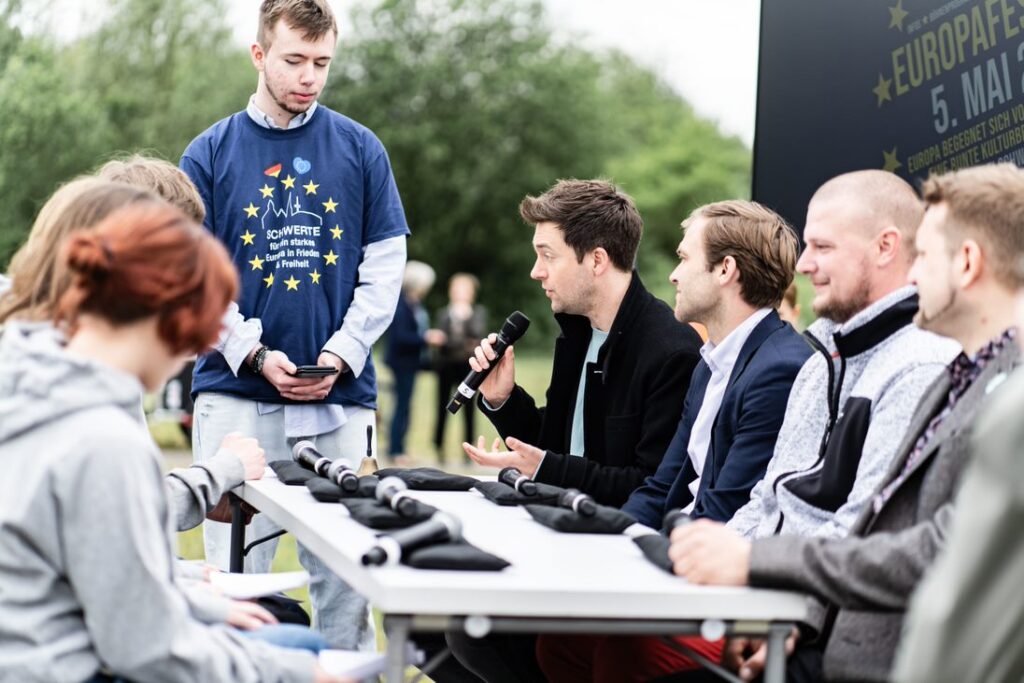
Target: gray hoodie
x=86, y=565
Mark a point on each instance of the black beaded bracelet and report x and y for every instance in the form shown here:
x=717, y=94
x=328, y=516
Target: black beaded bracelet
x=259, y=358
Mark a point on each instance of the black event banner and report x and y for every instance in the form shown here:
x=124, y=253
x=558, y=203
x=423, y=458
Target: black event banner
x=914, y=87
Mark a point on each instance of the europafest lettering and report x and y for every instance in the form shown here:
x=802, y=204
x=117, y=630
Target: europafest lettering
x=969, y=57
x=915, y=87
x=285, y=222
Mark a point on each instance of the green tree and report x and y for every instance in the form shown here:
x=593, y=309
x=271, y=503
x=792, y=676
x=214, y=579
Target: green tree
x=670, y=160
x=150, y=78
x=165, y=71
x=49, y=132
x=477, y=106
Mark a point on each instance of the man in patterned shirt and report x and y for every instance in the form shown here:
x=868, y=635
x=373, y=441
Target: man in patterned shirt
x=968, y=244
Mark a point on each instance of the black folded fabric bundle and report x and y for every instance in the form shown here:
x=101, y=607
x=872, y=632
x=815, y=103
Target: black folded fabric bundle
x=655, y=549
x=457, y=555
x=429, y=479
x=290, y=472
x=376, y=515
x=326, y=491
x=503, y=494
x=606, y=521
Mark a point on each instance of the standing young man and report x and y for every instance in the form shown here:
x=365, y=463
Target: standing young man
x=305, y=201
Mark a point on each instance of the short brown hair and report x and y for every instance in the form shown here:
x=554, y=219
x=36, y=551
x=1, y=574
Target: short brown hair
x=985, y=203
x=591, y=214
x=313, y=17
x=763, y=245
x=160, y=177
x=151, y=260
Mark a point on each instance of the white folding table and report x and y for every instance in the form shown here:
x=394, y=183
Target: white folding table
x=558, y=582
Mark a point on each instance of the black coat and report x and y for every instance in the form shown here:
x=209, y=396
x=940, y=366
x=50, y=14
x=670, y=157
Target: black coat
x=634, y=397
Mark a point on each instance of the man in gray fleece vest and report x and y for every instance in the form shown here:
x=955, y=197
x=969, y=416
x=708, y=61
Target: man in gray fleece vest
x=854, y=398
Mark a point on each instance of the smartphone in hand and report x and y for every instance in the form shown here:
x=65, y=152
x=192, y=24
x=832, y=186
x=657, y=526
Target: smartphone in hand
x=315, y=371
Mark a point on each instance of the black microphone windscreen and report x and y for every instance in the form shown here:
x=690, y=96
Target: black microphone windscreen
x=515, y=326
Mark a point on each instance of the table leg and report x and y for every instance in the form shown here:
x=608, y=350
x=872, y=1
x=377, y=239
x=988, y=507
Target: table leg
x=775, y=664
x=397, y=630
x=237, y=556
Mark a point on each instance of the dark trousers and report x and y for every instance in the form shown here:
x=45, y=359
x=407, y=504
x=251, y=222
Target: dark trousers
x=499, y=657
x=405, y=379
x=805, y=665
x=449, y=670
x=449, y=375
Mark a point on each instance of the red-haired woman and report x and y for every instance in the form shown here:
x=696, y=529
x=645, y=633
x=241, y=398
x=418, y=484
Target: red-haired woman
x=86, y=565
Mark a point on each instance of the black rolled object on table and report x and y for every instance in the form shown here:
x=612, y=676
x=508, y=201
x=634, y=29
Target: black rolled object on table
x=376, y=515
x=429, y=479
x=503, y=494
x=290, y=473
x=326, y=491
x=457, y=555
x=655, y=549
x=606, y=520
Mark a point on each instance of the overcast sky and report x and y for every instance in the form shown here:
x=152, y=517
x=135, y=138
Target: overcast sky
x=705, y=49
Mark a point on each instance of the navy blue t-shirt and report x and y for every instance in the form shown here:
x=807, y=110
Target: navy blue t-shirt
x=295, y=209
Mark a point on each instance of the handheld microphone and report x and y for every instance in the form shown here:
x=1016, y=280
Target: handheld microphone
x=391, y=547
x=393, y=492
x=338, y=471
x=517, y=480
x=513, y=328
x=578, y=502
x=675, y=518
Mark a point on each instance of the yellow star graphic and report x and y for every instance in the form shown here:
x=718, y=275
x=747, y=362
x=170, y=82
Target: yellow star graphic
x=289, y=182
x=267, y=191
x=316, y=277
x=330, y=205
x=251, y=210
x=882, y=90
x=891, y=162
x=332, y=258
x=897, y=14
x=292, y=283
x=310, y=187
x=336, y=232
x=269, y=279
x=247, y=237
x=256, y=263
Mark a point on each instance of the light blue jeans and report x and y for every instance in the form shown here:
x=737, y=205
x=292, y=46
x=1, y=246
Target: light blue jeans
x=339, y=613
x=291, y=636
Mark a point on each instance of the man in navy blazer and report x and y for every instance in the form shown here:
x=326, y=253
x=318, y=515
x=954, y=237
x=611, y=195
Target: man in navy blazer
x=736, y=260
x=737, y=397
x=742, y=436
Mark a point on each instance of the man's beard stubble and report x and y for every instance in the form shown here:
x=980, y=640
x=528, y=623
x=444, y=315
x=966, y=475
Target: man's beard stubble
x=841, y=311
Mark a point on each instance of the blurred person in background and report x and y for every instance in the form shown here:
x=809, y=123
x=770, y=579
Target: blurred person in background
x=463, y=323
x=408, y=338
x=789, y=309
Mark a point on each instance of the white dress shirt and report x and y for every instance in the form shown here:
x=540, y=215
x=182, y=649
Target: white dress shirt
x=720, y=359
